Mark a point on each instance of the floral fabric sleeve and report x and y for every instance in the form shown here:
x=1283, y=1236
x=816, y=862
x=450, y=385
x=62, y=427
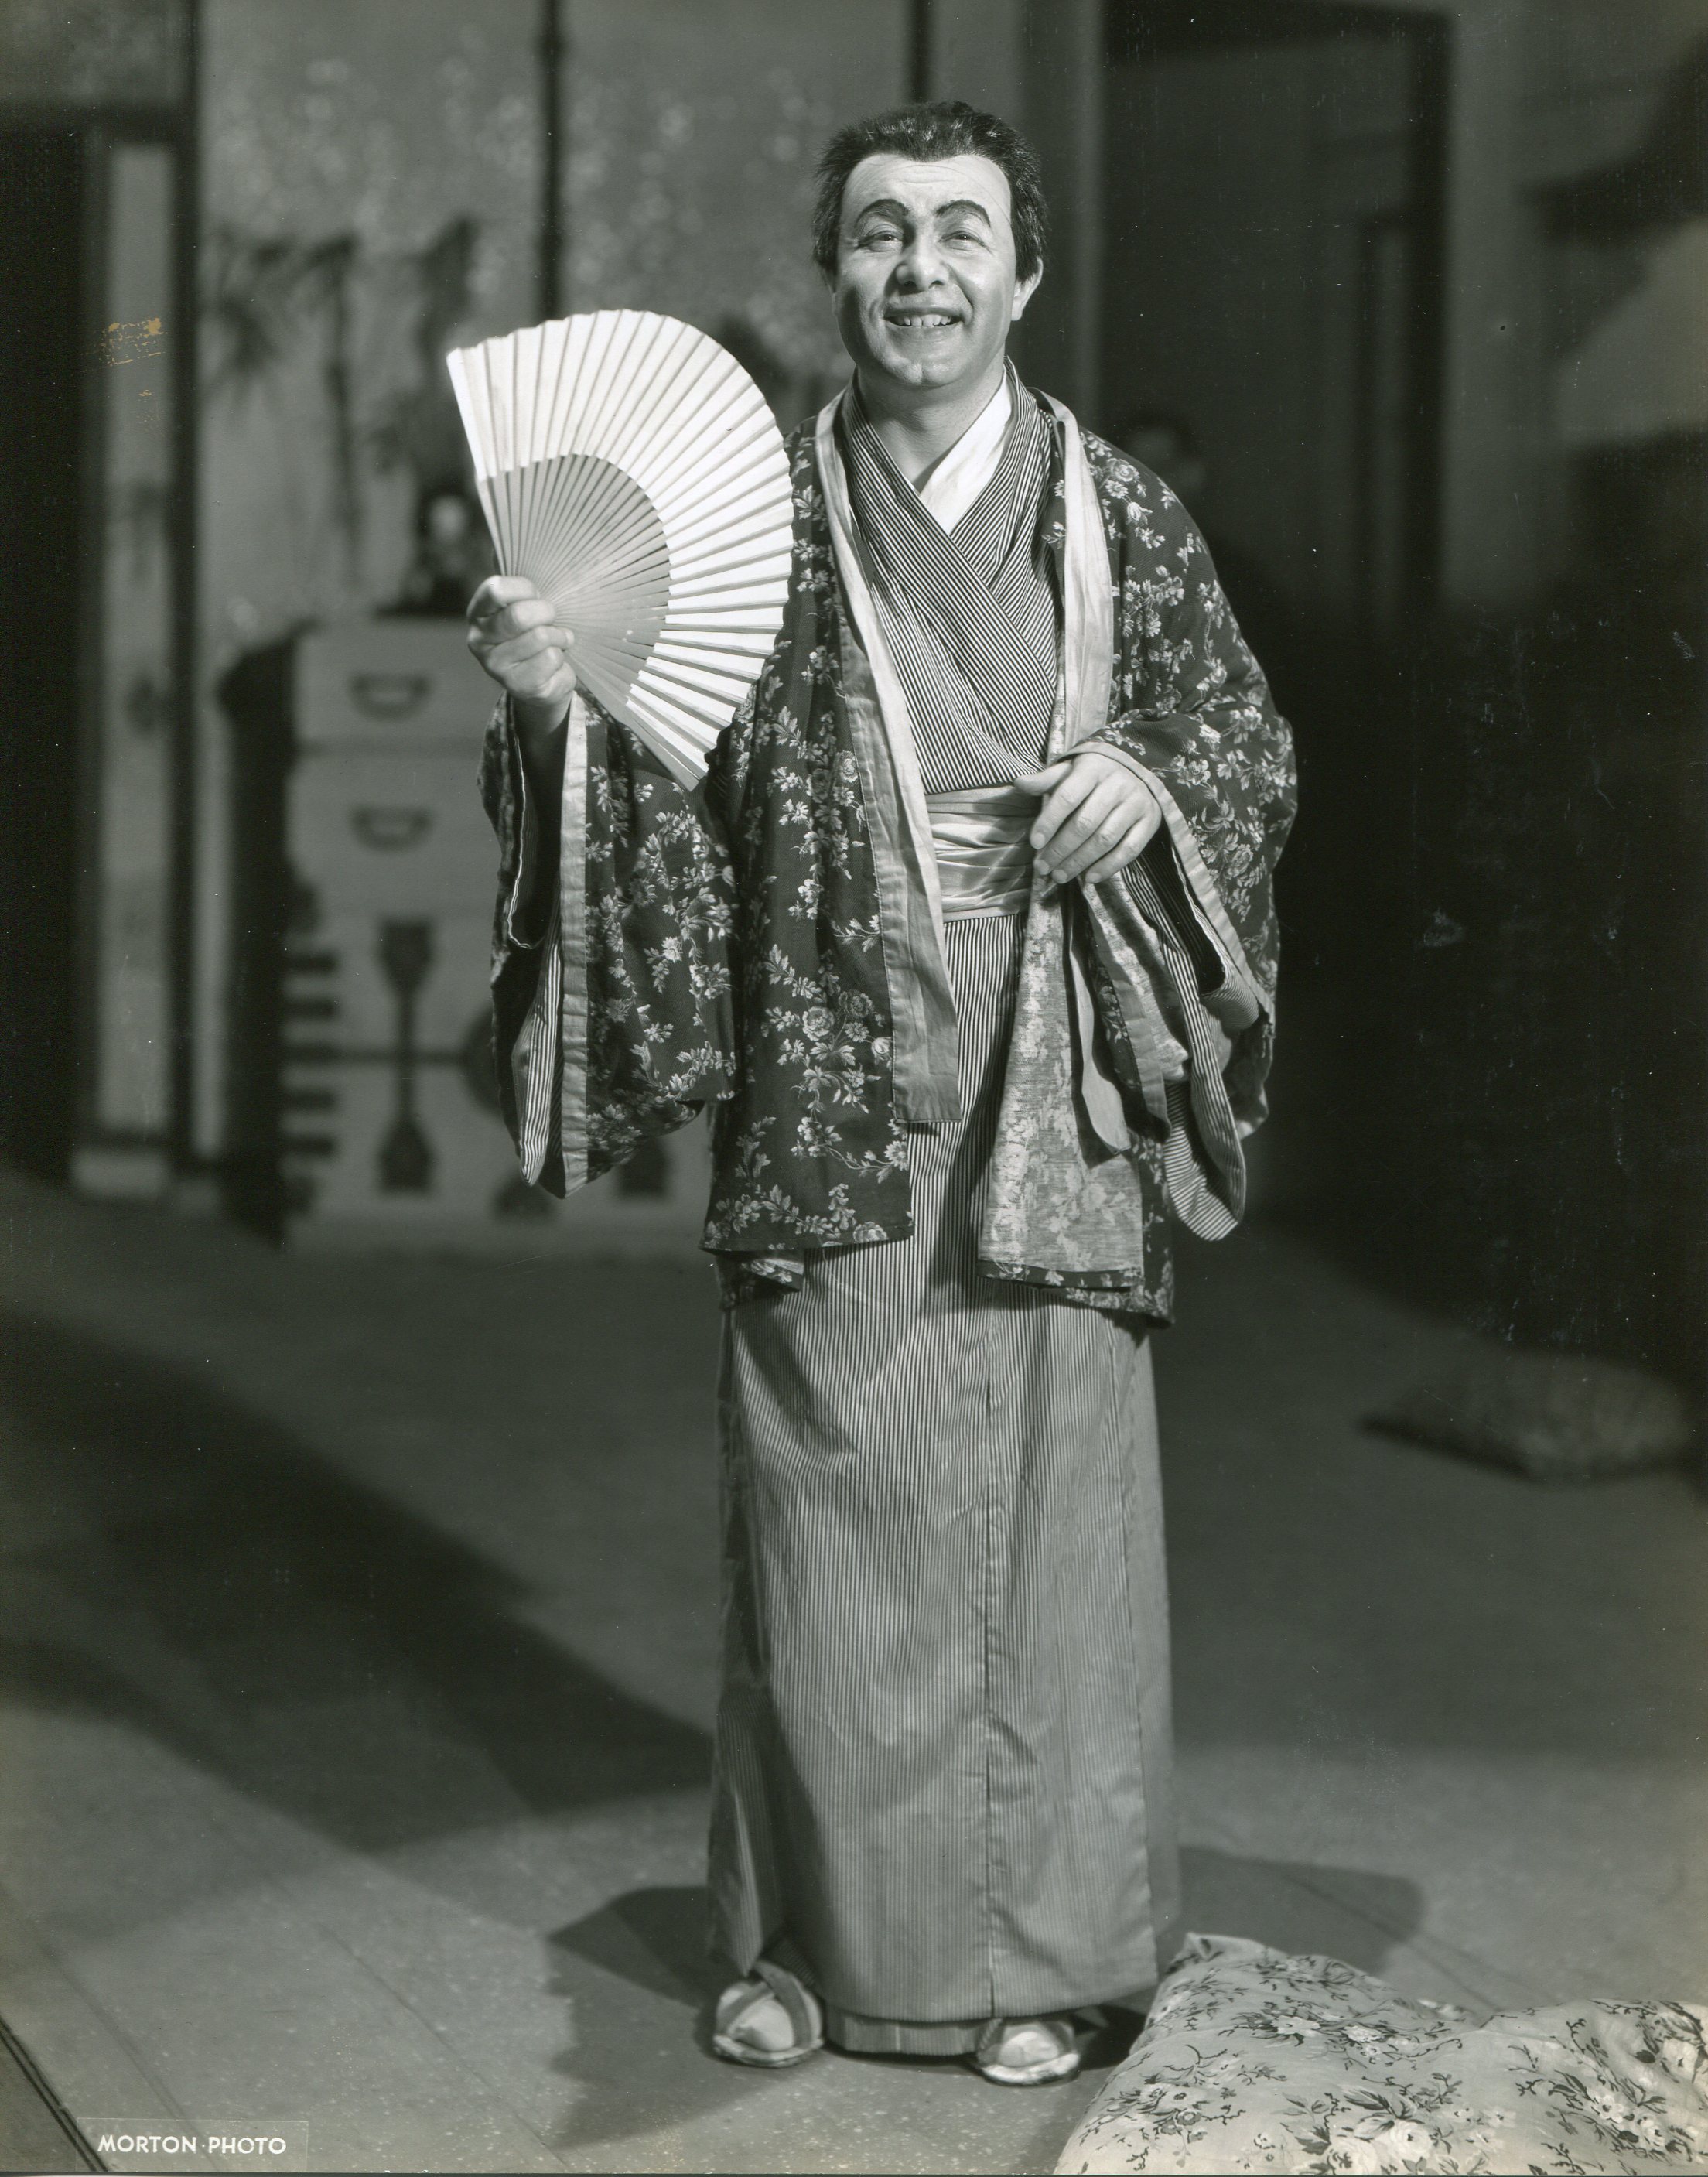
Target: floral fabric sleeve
x=516, y=963
x=660, y=899
x=655, y=914
x=1191, y=710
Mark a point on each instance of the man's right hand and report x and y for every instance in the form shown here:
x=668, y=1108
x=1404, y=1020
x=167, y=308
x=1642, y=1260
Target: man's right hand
x=515, y=638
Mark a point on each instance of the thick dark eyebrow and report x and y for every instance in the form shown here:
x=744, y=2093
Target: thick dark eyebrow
x=893, y=209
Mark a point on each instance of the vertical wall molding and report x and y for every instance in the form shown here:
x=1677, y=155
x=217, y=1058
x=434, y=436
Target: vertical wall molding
x=186, y=352
x=552, y=51
x=921, y=82
x=977, y=54
x=1063, y=75
x=91, y=629
x=1491, y=425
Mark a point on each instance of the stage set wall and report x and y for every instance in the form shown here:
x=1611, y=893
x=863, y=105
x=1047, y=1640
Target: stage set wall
x=347, y=175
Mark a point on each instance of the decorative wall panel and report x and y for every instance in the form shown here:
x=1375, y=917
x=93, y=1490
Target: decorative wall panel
x=133, y=761
x=90, y=53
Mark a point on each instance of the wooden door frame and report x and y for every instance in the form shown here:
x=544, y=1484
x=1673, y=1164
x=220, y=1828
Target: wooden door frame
x=1140, y=29
x=98, y=125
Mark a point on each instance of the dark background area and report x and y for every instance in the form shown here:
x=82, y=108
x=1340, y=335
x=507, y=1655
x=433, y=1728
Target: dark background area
x=40, y=520
x=1482, y=606
x=1287, y=237
x=1493, y=1082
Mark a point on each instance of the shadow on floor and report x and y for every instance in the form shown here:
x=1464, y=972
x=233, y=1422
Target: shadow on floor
x=187, y=1567
x=1345, y=1595
x=656, y=1939
x=641, y=2056
x=639, y=1981
x=1337, y=1911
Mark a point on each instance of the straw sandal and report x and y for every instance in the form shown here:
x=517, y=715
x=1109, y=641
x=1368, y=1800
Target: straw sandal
x=743, y=2033
x=1027, y=2052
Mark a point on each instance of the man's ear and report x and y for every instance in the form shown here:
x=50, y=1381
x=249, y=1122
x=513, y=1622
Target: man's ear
x=1024, y=290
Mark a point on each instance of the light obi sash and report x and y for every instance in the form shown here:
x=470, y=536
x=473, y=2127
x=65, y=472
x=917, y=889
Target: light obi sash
x=984, y=851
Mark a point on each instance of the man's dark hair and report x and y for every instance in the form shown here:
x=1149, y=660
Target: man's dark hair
x=949, y=128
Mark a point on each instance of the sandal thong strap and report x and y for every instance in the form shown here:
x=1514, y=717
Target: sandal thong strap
x=805, y=2013
x=768, y=1983
x=1037, y=2070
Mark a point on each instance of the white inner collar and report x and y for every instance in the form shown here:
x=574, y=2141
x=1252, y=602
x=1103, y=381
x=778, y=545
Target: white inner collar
x=961, y=474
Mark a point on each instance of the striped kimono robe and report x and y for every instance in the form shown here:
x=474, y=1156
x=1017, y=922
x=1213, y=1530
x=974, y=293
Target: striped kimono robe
x=943, y=1783
x=943, y=1788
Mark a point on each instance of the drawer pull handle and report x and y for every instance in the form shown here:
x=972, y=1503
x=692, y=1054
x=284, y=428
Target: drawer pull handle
x=390, y=829
x=389, y=695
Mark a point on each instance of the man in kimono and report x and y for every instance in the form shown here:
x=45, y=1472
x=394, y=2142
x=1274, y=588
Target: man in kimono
x=967, y=940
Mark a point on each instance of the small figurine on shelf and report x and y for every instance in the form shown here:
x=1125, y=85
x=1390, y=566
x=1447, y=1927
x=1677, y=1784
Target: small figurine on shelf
x=452, y=556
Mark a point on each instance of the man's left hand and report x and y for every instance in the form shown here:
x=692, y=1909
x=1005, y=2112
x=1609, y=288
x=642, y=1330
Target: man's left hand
x=1096, y=817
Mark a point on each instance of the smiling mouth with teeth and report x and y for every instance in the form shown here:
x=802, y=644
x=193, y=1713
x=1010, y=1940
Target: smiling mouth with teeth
x=921, y=320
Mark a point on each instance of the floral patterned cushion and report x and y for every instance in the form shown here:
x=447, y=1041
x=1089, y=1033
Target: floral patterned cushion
x=1251, y=2060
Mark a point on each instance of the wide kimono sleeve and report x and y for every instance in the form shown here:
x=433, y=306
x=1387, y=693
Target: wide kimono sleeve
x=610, y=957
x=1192, y=713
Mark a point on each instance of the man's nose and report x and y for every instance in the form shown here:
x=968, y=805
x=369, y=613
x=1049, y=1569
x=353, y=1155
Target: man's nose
x=920, y=262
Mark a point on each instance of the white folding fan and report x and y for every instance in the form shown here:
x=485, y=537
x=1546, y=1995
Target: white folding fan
x=630, y=468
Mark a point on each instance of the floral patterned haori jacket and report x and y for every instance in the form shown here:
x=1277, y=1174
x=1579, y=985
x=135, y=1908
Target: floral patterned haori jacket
x=770, y=941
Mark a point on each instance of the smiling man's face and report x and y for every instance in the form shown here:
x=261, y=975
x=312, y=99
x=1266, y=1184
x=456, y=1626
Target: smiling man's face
x=925, y=288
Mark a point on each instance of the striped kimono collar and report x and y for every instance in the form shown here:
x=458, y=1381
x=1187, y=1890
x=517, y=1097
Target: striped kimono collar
x=970, y=613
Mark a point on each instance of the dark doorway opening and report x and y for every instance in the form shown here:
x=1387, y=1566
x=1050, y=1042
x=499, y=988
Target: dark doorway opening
x=42, y=336
x=1274, y=283
x=1493, y=1053
x=1275, y=198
